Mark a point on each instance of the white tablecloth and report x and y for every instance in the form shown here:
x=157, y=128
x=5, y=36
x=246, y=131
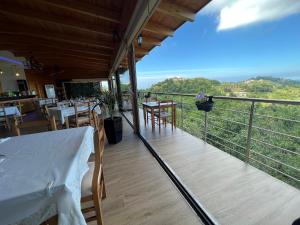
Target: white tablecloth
x=10, y=111
x=41, y=175
x=61, y=112
x=46, y=101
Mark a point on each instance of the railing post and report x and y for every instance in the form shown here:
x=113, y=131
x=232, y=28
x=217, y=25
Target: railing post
x=205, y=126
x=248, y=145
x=181, y=111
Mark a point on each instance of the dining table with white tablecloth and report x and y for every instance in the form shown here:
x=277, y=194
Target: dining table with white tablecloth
x=41, y=174
x=10, y=111
x=62, y=112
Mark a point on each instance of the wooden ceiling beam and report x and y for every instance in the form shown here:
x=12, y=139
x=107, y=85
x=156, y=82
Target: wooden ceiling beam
x=75, y=73
x=158, y=29
x=63, y=56
x=59, y=61
x=13, y=43
x=35, y=15
x=11, y=27
x=87, y=9
x=141, y=51
x=55, y=37
x=176, y=11
x=33, y=52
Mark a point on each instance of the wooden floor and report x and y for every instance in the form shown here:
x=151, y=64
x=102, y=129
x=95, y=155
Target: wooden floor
x=138, y=190
x=232, y=191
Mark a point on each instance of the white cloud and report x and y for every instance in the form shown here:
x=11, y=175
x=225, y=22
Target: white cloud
x=237, y=13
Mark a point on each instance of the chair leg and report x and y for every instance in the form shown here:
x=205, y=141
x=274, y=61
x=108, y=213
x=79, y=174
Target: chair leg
x=147, y=117
x=159, y=119
x=103, y=194
x=98, y=209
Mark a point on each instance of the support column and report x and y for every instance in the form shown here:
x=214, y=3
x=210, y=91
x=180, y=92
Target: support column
x=133, y=84
x=109, y=82
x=119, y=92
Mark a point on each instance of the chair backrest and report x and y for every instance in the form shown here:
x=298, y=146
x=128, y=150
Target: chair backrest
x=85, y=111
x=99, y=151
x=162, y=104
x=32, y=124
x=19, y=106
x=3, y=116
x=95, y=119
x=2, y=111
x=46, y=112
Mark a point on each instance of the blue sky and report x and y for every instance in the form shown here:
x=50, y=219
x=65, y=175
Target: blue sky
x=230, y=40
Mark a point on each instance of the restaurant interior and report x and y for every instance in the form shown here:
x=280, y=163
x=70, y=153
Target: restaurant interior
x=72, y=150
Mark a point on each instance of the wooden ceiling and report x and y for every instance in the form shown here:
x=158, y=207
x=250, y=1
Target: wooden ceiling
x=81, y=37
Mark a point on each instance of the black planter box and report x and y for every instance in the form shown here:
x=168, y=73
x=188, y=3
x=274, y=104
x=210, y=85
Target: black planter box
x=206, y=106
x=113, y=129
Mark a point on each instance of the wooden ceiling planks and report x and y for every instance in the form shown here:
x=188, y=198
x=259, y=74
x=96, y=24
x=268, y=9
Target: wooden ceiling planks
x=84, y=35
x=68, y=34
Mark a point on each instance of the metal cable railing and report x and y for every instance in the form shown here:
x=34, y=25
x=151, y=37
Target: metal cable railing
x=246, y=128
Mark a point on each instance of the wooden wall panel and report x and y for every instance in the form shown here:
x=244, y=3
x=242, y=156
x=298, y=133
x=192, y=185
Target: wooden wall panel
x=36, y=82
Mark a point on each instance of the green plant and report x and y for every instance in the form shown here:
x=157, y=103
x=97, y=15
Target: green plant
x=109, y=101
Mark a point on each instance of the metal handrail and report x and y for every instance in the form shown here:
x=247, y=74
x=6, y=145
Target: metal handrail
x=262, y=100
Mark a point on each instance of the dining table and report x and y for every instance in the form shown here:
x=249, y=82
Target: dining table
x=41, y=174
x=154, y=105
x=10, y=111
x=46, y=101
x=62, y=112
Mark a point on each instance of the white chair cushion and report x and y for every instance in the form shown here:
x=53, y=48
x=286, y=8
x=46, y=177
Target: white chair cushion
x=86, y=184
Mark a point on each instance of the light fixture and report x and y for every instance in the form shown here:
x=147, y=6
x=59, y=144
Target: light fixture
x=17, y=74
x=1, y=72
x=140, y=40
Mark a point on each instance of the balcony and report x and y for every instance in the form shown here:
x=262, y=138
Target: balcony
x=233, y=185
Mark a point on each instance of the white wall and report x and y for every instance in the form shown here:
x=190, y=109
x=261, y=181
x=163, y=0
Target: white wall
x=9, y=79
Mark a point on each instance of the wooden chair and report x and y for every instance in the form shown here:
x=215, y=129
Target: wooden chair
x=162, y=114
x=45, y=111
x=95, y=121
x=33, y=124
x=148, y=112
x=81, y=117
x=3, y=117
x=93, y=187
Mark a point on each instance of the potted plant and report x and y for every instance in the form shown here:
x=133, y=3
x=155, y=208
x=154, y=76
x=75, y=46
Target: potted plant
x=204, y=103
x=112, y=124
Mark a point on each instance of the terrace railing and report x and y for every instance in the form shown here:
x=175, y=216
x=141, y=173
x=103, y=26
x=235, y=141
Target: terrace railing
x=263, y=132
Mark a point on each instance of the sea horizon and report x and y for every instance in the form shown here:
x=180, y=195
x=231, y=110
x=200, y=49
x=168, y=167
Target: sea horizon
x=147, y=81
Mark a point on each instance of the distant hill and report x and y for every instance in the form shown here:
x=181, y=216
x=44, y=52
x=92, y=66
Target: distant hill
x=261, y=86
x=277, y=80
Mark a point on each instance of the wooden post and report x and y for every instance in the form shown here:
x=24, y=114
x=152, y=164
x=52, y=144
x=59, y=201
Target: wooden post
x=132, y=77
x=119, y=92
x=109, y=82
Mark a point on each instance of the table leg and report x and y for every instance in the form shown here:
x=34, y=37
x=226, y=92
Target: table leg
x=67, y=122
x=144, y=111
x=152, y=119
x=172, y=121
x=174, y=117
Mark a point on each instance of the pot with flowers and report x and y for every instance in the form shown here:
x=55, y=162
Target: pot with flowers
x=112, y=124
x=204, y=103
